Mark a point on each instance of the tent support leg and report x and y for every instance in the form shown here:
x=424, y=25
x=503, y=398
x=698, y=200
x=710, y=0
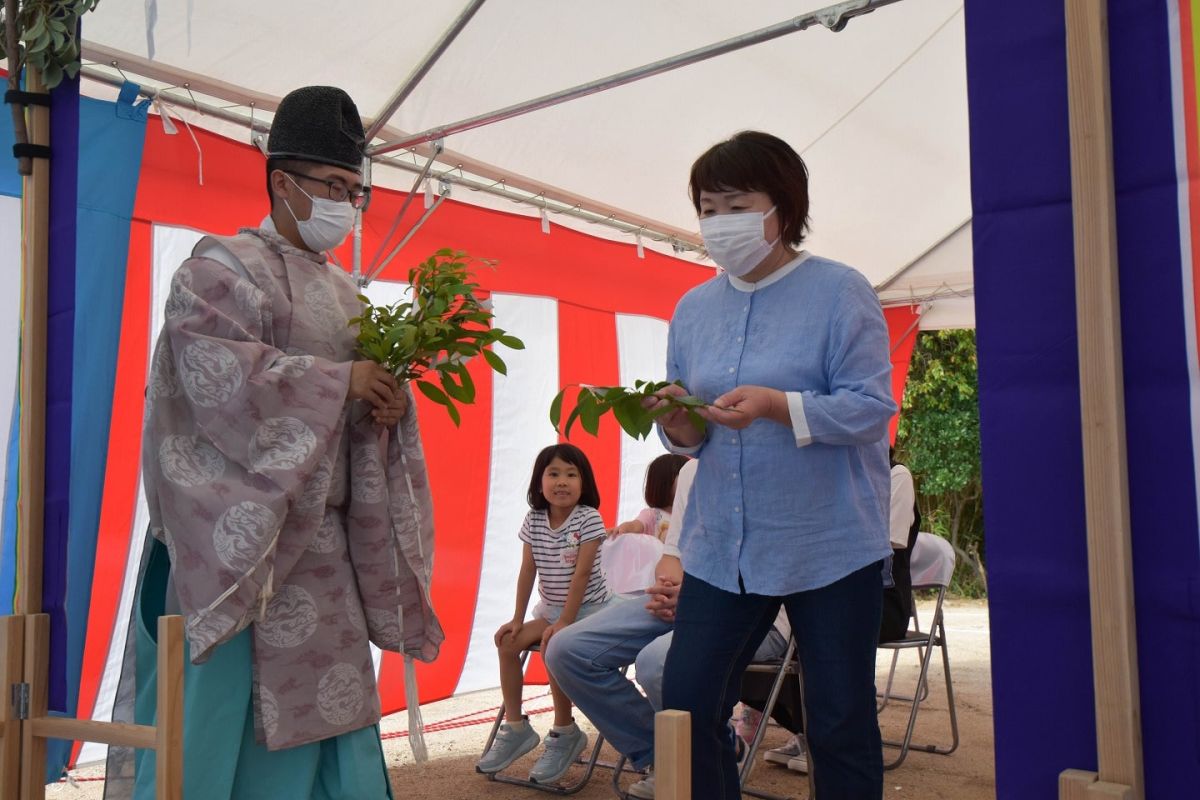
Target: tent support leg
x=1102, y=410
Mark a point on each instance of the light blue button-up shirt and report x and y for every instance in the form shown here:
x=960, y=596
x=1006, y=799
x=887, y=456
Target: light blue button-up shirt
x=787, y=509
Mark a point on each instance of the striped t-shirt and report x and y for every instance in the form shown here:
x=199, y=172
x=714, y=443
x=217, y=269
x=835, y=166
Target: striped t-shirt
x=556, y=551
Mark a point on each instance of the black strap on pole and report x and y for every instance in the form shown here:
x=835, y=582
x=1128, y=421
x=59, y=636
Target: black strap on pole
x=18, y=97
x=27, y=98
x=31, y=151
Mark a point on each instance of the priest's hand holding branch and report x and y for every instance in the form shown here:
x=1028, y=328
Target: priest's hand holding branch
x=372, y=382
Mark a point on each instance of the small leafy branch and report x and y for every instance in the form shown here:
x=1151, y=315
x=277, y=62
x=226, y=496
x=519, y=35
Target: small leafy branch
x=627, y=405
x=436, y=332
x=41, y=34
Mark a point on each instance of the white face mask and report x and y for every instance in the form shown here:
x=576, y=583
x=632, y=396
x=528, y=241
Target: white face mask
x=327, y=226
x=736, y=241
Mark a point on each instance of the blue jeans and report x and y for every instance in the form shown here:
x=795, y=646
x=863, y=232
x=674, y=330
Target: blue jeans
x=836, y=629
x=585, y=659
x=653, y=659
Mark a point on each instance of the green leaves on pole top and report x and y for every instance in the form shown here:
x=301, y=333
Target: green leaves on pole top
x=432, y=336
x=626, y=405
x=46, y=32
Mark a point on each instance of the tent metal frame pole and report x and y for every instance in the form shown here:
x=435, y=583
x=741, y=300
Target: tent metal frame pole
x=504, y=185
x=834, y=17
x=422, y=69
x=223, y=114
x=900, y=273
x=443, y=193
x=1102, y=418
x=422, y=174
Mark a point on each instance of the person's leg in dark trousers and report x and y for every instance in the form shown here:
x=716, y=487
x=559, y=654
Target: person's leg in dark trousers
x=716, y=634
x=836, y=630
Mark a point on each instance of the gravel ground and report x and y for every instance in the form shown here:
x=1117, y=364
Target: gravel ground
x=457, y=729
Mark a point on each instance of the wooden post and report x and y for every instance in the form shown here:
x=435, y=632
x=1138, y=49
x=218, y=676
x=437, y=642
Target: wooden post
x=12, y=665
x=169, y=722
x=165, y=738
x=673, y=755
x=35, y=291
x=1106, y=491
x=37, y=675
x=1073, y=784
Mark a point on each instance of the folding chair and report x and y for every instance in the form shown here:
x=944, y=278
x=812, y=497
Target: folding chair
x=932, y=566
x=782, y=668
x=590, y=763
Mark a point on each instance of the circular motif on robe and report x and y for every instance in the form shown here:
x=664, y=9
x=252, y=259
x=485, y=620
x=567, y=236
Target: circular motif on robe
x=325, y=540
x=163, y=380
x=366, y=476
x=354, y=611
x=292, y=366
x=291, y=617
x=249, y=299
x=384, y=626
x=179, y=300
x=190, y=461
x=312, y=497
x=324, y=308
x=340, y=694
x=242, y=532
x=210, y=373
x=281, y=443
x=268, y=706
x=205, y=631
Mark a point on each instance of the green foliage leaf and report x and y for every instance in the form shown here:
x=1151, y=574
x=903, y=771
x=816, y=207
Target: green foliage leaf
x=556, y=408
x=433, y=393
x=495, y=361
x=511, y=342
x=626, y=406
x=437, y=328
x=938, y=440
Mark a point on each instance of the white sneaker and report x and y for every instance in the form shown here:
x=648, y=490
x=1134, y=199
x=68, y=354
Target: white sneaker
x=799, y=764
x=783, y=755
x=561, y=751
x=510, y=744
x=643, y=789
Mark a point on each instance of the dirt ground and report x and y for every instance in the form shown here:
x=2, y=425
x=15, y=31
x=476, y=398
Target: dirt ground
x=456, y=730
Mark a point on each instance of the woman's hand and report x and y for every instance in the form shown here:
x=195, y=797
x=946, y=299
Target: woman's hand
x=664, y=596
x=395, y=412
x=675, y=423
x=738, y=408
x=550, y=631
x=372, y=382
x=507, y=630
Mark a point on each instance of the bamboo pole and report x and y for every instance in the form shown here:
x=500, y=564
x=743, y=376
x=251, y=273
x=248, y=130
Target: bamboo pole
x=35, y=291
x=1106, y=490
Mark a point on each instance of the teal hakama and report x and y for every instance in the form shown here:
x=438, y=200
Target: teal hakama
x=222, y=760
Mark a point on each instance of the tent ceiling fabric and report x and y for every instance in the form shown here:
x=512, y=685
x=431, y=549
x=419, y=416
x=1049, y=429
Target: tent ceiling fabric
x=879, y=111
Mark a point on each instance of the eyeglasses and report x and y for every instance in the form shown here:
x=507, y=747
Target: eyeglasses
x=338, y=192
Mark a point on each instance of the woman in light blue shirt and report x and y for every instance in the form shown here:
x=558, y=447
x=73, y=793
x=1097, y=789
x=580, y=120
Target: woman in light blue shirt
x=790, y=501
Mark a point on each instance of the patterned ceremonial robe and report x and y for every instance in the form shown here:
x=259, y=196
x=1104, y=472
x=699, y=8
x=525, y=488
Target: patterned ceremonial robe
x=282, y=504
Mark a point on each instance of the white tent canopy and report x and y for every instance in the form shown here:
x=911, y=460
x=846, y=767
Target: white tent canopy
x=879, y=110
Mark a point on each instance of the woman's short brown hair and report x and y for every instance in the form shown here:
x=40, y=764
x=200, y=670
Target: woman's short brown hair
x=753, y=161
